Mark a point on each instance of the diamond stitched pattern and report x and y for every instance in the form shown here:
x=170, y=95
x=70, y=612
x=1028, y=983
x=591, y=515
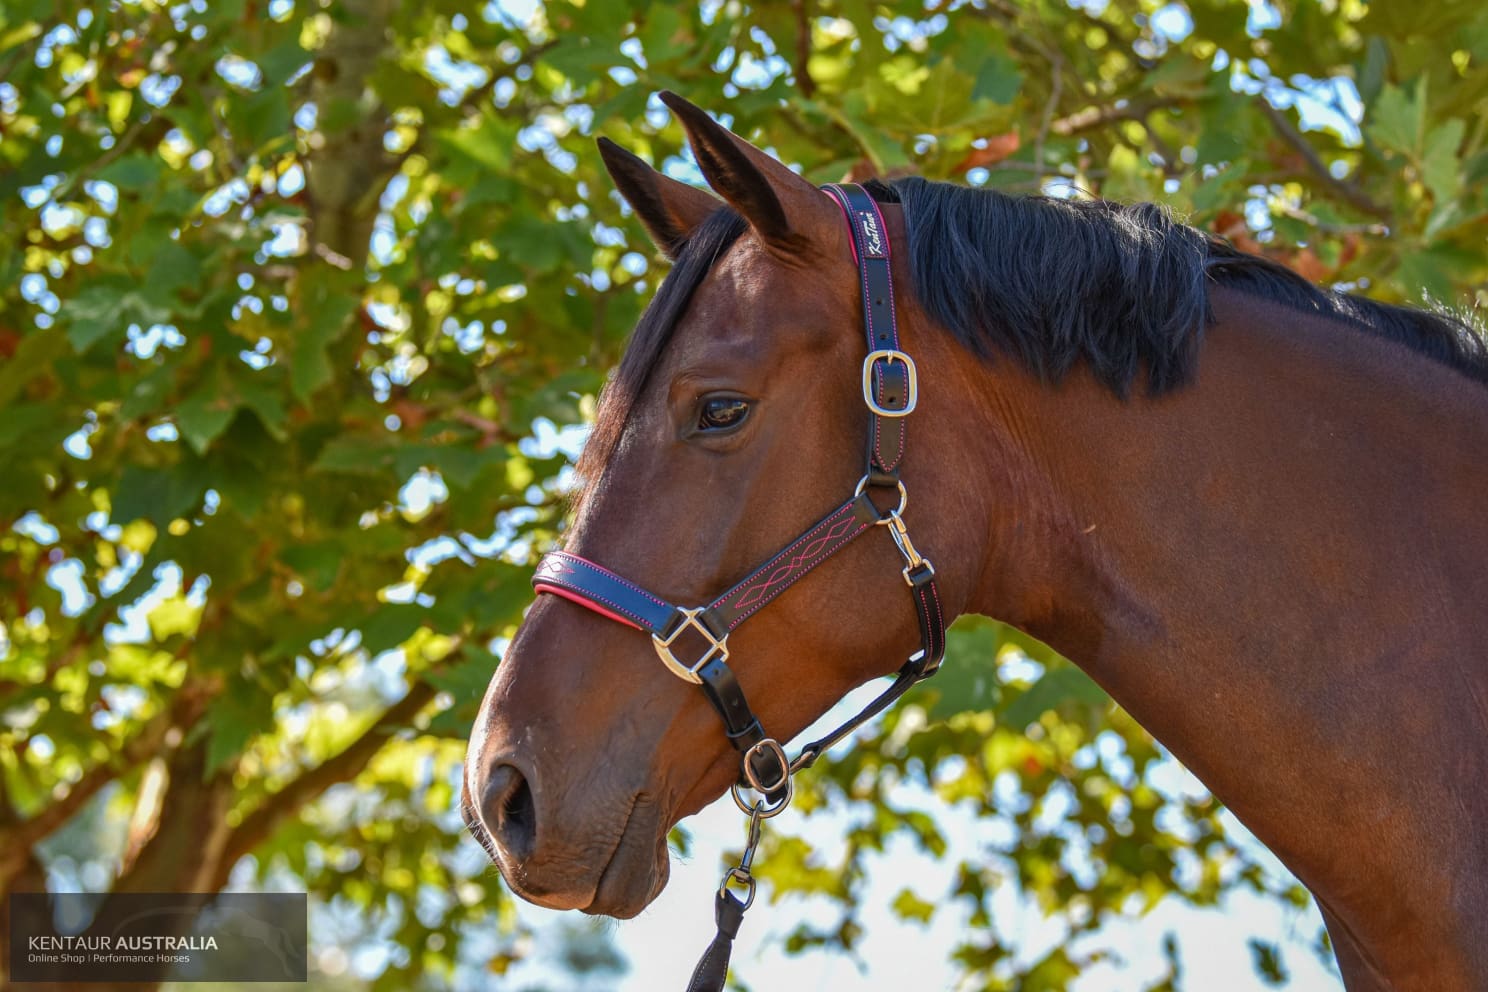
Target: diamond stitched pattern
x=753, y=594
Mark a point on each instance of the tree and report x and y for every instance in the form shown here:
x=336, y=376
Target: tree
x=298, y=294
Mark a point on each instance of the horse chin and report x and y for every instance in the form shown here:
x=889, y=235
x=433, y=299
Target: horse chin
x=638, y=869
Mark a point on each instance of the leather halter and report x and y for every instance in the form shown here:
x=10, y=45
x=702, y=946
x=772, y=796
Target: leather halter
x=890, y=391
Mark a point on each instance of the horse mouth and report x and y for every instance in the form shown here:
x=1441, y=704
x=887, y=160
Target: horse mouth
x=638, y=867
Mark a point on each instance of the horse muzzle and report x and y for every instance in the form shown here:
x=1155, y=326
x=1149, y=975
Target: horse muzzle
x=611, y=861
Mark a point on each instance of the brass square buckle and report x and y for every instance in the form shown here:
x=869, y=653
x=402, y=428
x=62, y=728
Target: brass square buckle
x=717, y=647
x=913, y=386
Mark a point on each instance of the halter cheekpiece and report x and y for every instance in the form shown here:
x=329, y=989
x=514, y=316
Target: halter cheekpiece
x=891, y=392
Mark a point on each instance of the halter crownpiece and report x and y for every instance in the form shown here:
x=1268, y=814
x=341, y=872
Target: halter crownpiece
x=891, y=392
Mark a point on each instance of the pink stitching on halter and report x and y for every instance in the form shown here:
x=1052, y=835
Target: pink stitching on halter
x=749, y=584
x=893, y=324
x=620, y=579
x=852, y=241
x=588, y=604
x=764, y=602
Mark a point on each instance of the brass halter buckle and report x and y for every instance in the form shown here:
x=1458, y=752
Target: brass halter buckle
x=717, y=647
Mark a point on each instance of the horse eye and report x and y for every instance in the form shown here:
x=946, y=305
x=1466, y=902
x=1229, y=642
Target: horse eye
x=722, y=413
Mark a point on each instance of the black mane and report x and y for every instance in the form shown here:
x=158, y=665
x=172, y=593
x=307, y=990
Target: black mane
x=1049, y=283
x=1124, y=289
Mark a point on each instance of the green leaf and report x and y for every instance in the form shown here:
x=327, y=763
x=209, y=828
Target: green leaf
x=1058, y=687
x=234, y=719
x=908, y=906
x=23, y=422
x=107, y=307
x=390, y=626
x=263, y=116
x=326, y=313
x=173, y=616
x=33, y=356
x=175, y=267
x=1266, y=956
x=319, y=563
x=156, y=495
x=266, y=400
x=95, y=312
x=1441, y=169
x=1221, y=189
x=488, y=144
x=282, y=61
x=997, y=79
x=967, y=679
x=1398, y=118
x=205, y=414
x=466, y=683
x=149, y=392
x=353, y=455
x=132, y=172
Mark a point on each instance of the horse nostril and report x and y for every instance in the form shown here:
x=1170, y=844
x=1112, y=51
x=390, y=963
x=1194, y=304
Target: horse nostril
x=509, y=812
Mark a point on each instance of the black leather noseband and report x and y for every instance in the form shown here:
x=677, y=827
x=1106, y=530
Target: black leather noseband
x=891, y=391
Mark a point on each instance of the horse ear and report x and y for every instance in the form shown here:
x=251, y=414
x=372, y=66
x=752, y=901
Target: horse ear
x=783, y=208
x=668, y=209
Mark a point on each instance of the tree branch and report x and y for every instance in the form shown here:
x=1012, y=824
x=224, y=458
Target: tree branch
x=804, y=82
x=1056, y=70
x=345, y=175
x=260, y=824
x=190, y=831
x=187, y=707
x=1346, y=191
x=1091, y=118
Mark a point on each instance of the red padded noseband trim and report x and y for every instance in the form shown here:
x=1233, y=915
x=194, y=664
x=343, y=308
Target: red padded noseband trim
x=584, y=601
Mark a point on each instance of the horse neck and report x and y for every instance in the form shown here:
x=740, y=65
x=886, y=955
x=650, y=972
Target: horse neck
x=1278, y=571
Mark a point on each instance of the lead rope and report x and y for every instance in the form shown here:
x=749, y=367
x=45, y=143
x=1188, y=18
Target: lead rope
x=728, y=909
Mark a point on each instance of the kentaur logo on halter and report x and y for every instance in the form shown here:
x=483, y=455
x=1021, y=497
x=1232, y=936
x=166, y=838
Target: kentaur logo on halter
x=891, y=391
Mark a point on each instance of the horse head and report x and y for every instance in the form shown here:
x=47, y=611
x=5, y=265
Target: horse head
x=736, y=418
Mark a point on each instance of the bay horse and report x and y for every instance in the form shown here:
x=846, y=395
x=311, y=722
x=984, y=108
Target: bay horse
x=1250, y=509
